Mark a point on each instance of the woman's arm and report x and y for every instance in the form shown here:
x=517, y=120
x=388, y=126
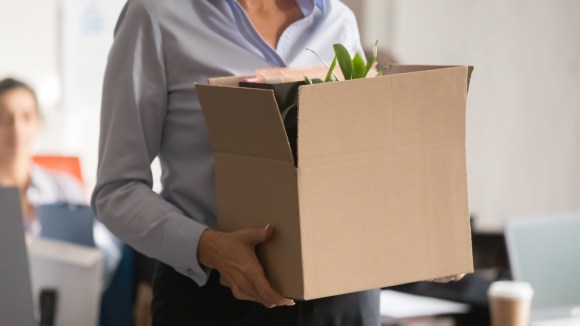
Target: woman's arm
x=132, y=119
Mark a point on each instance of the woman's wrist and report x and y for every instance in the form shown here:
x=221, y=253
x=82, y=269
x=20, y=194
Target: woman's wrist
x=208, y=248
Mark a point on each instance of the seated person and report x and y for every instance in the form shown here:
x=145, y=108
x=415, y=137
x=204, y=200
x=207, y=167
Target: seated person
x=20, y=123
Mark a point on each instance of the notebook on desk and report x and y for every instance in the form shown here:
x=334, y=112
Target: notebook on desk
x=545, y=252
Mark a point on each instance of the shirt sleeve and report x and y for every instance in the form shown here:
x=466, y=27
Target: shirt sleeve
x=134, y=105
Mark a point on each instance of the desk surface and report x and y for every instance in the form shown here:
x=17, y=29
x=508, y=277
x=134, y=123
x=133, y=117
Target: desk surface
x=400, y=305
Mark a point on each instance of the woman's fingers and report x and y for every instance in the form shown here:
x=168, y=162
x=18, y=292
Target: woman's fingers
x=233, y=254
x=250, y=286
x=447, y=279
x=265, y=291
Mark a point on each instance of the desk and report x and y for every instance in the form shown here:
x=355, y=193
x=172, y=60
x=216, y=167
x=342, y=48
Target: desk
x=399, y=308
x=471, y=290
x=419, y=321
x=491, y=264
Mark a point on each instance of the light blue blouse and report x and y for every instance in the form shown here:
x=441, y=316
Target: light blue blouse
x=150, y=108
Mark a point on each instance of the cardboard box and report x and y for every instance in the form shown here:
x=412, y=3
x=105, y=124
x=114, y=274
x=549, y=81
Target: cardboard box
x=379, y=196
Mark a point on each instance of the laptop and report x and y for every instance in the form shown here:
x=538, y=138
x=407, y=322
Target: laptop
x=545, y=252
x=16, y=306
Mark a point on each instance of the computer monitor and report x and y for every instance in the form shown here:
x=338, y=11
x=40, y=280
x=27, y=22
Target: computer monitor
x=16, y=298
x=545, y=252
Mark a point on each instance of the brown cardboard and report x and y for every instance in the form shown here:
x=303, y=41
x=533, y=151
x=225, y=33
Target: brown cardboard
x=379, y=196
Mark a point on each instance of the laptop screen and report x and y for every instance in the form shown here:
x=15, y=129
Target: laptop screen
x=16, y=299
x=545, y=251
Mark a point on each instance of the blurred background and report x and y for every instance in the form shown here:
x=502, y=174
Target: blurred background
x=523, y=120
x=523, y=135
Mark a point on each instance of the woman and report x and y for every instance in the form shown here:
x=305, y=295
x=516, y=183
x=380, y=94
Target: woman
x=150, y=109
x=20, y=124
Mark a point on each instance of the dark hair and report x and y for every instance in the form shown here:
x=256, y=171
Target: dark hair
x=10, y=84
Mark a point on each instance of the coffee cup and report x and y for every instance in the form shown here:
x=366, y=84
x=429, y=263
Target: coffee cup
x=510, y=303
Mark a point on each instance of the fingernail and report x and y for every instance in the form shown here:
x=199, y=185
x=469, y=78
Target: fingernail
x=267, y=227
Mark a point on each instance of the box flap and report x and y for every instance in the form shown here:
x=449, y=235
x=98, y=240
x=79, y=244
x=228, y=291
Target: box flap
x=254, y=192
x=469, y=72
x=401, y=69
x=244, y=121
x=330, y=116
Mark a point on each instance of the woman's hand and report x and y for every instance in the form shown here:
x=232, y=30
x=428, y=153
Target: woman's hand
x=234, y=256
x=448, y=278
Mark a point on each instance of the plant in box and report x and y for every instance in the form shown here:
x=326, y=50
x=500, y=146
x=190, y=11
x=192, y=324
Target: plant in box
x=286, y=93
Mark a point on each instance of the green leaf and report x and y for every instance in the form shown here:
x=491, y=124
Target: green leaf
x=286, y=110
x=330, y=71
x=381, y=71
x=372, y=59
x=387, y=69
x=324, y=62
x=312, y=81
x=344, y=60
x=384, y=70
x=358, y=64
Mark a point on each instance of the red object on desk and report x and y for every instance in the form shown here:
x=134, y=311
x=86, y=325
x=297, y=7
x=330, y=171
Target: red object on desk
x=66, y=164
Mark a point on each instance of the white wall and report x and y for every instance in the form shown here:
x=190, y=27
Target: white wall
x=31, y=32
x=30, y=51
x=524, y=102
x=374, y=20
x=28, y=42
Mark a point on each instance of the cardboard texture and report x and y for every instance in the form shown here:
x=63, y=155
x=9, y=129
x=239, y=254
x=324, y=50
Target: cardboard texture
x=286, y=95
x=379, y=196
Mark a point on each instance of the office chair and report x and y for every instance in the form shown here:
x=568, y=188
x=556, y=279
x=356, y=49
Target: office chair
x=66, y=164
x=117, y=300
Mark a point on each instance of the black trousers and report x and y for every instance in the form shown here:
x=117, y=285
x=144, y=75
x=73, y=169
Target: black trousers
x=177, y=300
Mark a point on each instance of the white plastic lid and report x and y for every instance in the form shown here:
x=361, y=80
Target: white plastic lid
x=511, y=290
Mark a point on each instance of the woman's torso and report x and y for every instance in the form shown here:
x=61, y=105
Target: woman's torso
x=213, y=38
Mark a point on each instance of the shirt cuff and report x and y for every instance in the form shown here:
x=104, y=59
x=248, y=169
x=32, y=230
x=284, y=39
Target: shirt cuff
x=180, y=241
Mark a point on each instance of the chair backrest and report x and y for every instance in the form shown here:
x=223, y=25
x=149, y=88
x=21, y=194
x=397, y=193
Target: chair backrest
x=66, y=164
x=67, y=222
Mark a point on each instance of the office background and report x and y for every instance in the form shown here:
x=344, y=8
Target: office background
x=524, y=103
